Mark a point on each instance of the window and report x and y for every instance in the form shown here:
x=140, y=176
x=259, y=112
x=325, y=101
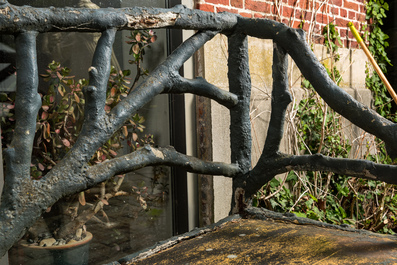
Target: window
x=156, y=207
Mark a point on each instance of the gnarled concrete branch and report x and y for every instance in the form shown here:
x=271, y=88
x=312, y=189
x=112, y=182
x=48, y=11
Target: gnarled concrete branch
x=163, y=78
x=201, y=87
x=283, y=163
x=14, y=19
x=150, y=156
x=315, y=72
x=18, y=209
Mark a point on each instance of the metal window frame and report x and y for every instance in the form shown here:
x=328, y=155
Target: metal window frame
x=180, y=207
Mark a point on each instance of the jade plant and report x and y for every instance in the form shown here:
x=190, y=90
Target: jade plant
x=58, y=125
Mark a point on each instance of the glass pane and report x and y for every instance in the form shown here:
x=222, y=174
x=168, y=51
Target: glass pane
x=142, y=214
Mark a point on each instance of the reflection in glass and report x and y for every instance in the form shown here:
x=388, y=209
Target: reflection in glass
x=142, y=215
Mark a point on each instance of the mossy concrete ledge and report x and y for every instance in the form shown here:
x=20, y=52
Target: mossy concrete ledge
x=265, y=237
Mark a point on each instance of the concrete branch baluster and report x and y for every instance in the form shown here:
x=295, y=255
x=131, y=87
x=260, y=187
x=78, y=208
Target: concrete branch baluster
x=240, y=124
x=240, y=84
x=18, y=155
x=27, y=105
x=281, y=97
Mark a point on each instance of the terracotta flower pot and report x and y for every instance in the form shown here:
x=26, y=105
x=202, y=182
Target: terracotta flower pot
x=71, y=254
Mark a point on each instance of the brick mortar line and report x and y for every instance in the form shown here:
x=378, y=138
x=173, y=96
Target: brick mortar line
x=332, y=15
x=288, y=6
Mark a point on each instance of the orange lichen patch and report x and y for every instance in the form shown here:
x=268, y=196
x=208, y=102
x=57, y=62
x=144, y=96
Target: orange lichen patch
x=275, y=242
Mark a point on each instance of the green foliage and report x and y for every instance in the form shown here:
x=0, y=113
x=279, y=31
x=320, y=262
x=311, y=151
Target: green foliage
x=326, y=196
x=376, y=11
x=384, y=212
x=139, y=40
x=332, y=39
x=320, y=128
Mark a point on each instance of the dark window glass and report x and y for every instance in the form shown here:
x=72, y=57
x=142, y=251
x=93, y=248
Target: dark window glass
x=143, y=215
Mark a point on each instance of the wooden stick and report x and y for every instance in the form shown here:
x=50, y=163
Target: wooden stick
x=373, y=62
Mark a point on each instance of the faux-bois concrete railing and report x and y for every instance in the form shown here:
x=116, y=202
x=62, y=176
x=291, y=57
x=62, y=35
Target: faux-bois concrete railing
x=23, y=199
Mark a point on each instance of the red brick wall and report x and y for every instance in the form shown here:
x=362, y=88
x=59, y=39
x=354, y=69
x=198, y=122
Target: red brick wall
x=311, y=15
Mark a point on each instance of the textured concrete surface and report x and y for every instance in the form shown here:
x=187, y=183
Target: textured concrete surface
x=279, y=239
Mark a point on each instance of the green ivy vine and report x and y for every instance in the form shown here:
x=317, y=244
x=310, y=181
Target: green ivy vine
x=377, y=39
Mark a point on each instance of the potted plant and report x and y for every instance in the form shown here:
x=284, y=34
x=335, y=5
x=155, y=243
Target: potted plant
x=58, y=125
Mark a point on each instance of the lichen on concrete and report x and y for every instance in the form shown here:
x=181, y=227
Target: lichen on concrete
x=279, y=240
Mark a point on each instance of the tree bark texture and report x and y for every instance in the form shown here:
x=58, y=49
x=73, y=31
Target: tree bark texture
x=24, y=199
